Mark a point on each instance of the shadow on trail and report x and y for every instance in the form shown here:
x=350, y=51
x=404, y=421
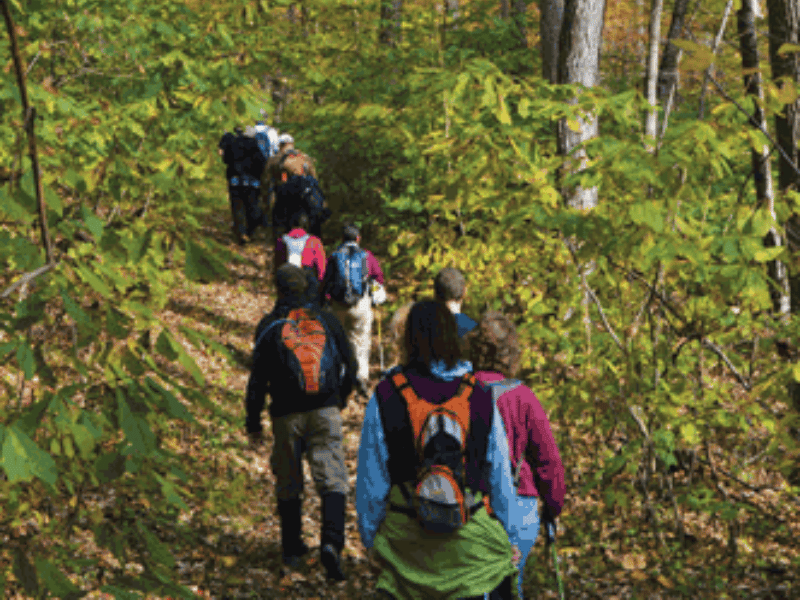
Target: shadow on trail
x=209, y=317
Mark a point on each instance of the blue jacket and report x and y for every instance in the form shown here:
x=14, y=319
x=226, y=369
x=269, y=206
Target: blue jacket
x=373, y=483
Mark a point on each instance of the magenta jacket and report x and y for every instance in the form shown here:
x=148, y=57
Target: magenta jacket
x=526, y=423
x=313, y=254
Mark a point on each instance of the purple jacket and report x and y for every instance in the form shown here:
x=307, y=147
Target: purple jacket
x=527, y=425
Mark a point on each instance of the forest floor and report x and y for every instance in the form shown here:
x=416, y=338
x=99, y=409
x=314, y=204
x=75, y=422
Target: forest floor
x=228, y=544
x=602, y=555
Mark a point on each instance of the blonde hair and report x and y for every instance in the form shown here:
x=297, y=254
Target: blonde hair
x=397, y=331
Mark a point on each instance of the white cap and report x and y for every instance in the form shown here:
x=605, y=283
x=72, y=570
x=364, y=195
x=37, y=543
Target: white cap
x=285, y=139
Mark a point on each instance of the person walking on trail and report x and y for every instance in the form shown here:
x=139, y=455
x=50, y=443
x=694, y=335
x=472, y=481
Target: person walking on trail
x=300, y=192
x=495, y=352
x=267, y=138
x=348, y=275
x=303, y=360
x=450, y=287
x=244, y=166
x=303, y=250
x=434, y=485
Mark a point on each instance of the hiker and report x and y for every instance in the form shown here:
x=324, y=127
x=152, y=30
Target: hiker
x=450, y=287
x=494, y=351
x=244, y=165
x=276, y=173
x=303, y=250
x=303, y=360
x=348, y=275
x=300, y=192
x=431, y=548
x=267, y=138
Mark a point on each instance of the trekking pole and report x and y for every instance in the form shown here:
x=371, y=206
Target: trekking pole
x=550, y=539
x=380, y=341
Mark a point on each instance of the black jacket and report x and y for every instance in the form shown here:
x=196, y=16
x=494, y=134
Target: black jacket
x=266, y=364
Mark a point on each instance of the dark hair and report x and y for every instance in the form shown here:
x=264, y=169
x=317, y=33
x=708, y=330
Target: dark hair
x=350, y=232
x=449, y=284
x=291, y=280
x=299, y=219
x=432, y=335
x=494, y=345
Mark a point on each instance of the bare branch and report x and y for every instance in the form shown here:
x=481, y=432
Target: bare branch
x=27, y=278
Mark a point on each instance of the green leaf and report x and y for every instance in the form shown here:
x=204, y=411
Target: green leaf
x=689, y=434
x=93, y=280
x=93, y=224
x=26, y=360
x=767, y=254
x=25, y=573
x=137, y=430
x=202, y=265
x=53, y=200
x=55, y=581
x=109, y=467
x=166, y=346
x=22, y=459
x=170, y=493
x=788, y=49
x=119, y=593
x=159, y=553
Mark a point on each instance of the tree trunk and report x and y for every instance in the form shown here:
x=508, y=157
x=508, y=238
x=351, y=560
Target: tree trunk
x=579, y=54
x=504, y=10
x=651, y=126
x=710, y=70
x=552, y=17
x=391, y=22
x=668, y=75
x=765, y=196
x=518, y=17
x=784, y=28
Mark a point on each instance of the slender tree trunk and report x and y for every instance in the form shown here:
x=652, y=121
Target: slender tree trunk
x=784, y=28
x=765, y=195
x=581, y=34
x=552, y=17
x=29, y=121
x=710, y=70
x=504, y=9
x=519, y=18
x=668, y=75
x=651, y=126
x=391, y=22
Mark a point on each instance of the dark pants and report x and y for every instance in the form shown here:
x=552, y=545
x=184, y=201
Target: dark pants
x=501, y=592
x=246, y=210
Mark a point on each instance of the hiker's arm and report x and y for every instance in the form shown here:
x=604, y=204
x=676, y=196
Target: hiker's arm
x=318, y=253
x=323, y=289
x=374, y=268
x=501, y=486
x=348, y=356
x=372, y=480
x=543, y=456
x=257, y=388
x=280, y=253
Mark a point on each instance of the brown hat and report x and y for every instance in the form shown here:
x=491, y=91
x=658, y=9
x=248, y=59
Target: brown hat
x=291, y=280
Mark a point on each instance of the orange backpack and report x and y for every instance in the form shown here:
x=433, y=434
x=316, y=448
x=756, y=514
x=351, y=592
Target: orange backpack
x=440, y=501
x=302, y=349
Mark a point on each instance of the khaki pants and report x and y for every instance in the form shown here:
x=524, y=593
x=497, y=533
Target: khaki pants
x=357, y=323
x=318, y=433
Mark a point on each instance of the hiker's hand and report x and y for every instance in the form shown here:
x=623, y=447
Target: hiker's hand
x=550, y=528
x=516, y=555
x=256, y=439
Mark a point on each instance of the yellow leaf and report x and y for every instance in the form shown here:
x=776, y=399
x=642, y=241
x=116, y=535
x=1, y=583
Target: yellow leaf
x=574, y=125
x=665, y=582
x=633, y=562
x=228, y=561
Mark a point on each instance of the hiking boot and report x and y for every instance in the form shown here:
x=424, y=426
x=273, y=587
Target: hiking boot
x=293, y=560
x=332, y=542
x=332, y=563
x=292, y=545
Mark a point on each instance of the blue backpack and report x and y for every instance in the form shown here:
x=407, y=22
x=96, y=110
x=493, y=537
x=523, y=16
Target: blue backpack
x=349, y=283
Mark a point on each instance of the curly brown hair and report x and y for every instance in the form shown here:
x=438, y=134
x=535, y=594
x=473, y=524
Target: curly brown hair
x=494, y=345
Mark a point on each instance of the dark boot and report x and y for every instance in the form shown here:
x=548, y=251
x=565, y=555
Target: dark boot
x=292, y=543
x=332, y=542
